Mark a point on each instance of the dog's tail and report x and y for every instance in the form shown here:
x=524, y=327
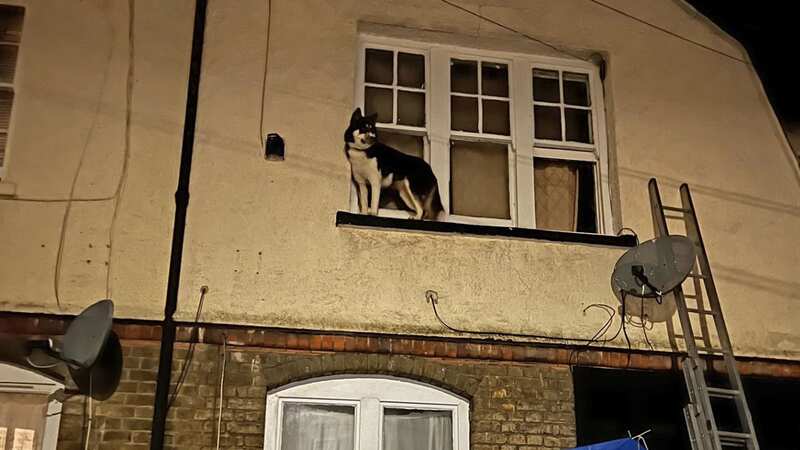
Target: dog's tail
x=433, y=209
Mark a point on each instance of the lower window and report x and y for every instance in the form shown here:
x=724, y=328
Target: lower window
x=565, y=195
x=359, y=413
x=28, y=418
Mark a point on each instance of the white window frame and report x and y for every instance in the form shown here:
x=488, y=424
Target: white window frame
x=369, y=395
x=21, y=381
x=14, y=88
x=522, y=145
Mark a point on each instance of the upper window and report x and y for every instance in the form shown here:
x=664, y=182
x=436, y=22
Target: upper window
x=10, y=35
x=360, y=413
x=514, y=140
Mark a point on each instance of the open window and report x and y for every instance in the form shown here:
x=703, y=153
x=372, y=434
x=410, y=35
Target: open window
x=365, y=413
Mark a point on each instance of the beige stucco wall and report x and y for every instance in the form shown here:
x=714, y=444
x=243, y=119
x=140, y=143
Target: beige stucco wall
x=261, y=235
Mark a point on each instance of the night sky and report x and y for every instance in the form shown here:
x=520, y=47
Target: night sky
x=770, y=33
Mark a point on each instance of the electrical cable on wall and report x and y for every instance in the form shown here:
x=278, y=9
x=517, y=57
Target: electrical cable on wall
x=433, y=298
x=268, y=18
x=193, y=338
x=513, y=30
x=127, y=144
x=71, y=199
x=222, y=384
x=671, y=33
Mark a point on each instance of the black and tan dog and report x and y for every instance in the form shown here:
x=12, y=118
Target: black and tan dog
x=375, y=166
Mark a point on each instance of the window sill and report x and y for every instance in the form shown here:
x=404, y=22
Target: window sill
x=7, y=189
x=351, y=220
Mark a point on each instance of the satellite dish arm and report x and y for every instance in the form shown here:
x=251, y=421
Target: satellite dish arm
x=17, y=350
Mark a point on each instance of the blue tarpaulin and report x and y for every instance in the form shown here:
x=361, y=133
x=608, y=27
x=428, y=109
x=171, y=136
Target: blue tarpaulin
x=619, y=444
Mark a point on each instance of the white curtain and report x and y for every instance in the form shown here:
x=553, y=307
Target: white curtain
x=405, y=429
x=317, y=427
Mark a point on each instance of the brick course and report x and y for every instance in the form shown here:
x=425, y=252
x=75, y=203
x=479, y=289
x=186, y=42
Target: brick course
x=513, y=406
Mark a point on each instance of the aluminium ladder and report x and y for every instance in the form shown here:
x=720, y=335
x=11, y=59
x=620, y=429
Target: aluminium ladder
x=701, y=422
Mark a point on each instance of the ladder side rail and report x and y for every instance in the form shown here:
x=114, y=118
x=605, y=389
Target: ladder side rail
x=698, y=383
x=657, y=209
x=693, y=230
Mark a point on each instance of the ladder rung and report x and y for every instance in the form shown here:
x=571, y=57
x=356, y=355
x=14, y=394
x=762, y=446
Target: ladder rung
x=701, y=311
x=722, y=393
x=734, y=436
x=698, y=276
x=676, y=209
x=711, y=350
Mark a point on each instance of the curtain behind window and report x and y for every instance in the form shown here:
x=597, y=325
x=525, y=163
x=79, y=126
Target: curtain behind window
x=405, y=429
x=317, y=427
x=556, y=193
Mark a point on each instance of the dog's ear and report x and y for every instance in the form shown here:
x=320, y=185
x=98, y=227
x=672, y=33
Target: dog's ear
x=356, y=116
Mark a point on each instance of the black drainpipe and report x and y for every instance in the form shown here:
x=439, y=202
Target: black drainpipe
x=179, y=227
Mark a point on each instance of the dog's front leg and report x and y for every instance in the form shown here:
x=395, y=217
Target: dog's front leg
x=362, y=197
x=375, y=194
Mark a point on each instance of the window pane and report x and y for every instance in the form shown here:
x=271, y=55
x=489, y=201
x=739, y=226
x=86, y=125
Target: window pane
x=547, y=122
x=545, y=86
x=406, y=143
x=479, y=179
x=576, y=89
x=411, y=108
x=6, y=101
x=380, y=66
x=464, y=114
x=378, y=100
x=3, y=141
x=564, y=192
x=494, y=79
x=8, y=63
x=411, y=70
x=11, y=23
x=579, y=125
x=495, y=117
x=464, y=76
x=310, y=426
x=408, y=429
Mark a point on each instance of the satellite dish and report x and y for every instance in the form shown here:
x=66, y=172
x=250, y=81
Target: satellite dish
x=87, y=359
x=655, y=267
x=649, y=271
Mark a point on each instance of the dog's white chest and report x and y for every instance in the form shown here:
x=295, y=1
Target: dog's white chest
x=363, y=168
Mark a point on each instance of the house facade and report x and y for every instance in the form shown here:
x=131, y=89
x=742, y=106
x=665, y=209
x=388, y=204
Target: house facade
x=325, y=328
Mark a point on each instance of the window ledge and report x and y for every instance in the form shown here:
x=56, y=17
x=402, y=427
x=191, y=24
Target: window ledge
x=351, y=220
x=7, y=189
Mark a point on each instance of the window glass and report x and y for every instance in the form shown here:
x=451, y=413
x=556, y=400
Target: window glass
x=464, y=76
x=406, y=143
x=411, y=108
x=464, y=113
x=8, y=62
x=410, y=429
x=545, y=86
x=379, y=66
x=494, y=79
x=11, y=23
x=564, y=193
x=6, y=102
x=547, y=122
x=313, y=426
x=411, y=70
x=479, y=179
x=495, y=117
x=378, y=100
x=578, y=125
x=576, y=89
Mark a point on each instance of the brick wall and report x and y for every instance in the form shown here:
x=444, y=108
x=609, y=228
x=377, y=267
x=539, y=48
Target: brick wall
x=514, y=406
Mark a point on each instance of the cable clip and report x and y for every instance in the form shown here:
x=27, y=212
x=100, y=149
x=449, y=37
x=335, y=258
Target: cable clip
x=432, y=297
